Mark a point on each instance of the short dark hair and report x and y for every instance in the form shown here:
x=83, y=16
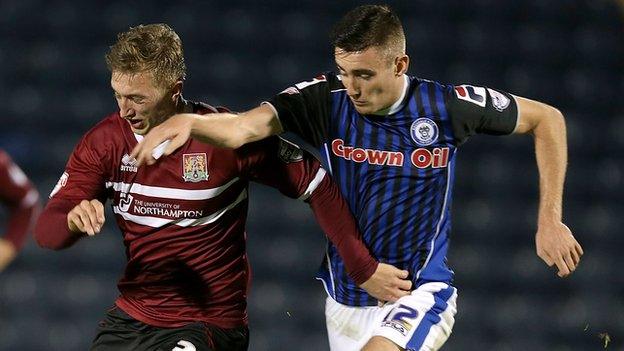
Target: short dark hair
x=369, y=26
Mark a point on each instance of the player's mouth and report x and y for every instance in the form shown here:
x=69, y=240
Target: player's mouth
x=359, y=102
x=136, y=123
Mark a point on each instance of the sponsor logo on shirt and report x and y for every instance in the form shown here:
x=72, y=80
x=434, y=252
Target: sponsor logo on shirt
x=289, y=152
x=499, y=100
x=128, y=164
x=475, y=95
x=156, y=209
x=195, y=168
x=424, y=131
x=125, y=202
x=420, y=158
x=60, y=184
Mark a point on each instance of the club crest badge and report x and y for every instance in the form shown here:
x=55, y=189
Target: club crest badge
x=424, y=131
x=195, y=168
x=499, y=100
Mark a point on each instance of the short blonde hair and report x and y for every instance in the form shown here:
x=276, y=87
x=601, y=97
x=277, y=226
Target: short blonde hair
x=154, y=48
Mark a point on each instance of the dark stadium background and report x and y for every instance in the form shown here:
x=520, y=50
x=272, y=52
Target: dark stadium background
x=54, y=86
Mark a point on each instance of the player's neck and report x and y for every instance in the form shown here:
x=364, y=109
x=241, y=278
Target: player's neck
x=396, y=106
x=183, y=106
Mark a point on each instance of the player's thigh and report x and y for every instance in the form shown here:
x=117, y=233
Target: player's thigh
x=203, y=337
x=422, y=321
x=348, y=327
x=379, y=343
x=118, y=332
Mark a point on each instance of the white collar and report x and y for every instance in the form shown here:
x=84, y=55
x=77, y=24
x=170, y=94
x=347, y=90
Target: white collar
x=399, y=103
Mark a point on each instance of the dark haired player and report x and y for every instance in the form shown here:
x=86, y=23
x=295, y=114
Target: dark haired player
x=391, y=142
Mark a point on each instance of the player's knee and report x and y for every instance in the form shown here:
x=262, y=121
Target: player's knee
x=379, y=343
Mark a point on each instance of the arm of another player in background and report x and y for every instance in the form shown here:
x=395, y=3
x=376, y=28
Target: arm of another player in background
x=21, y=198
x=219, y=129
x=554, y=241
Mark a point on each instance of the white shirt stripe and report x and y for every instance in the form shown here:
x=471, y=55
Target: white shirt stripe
x=169, y=193
x=156, y=222
x=313, y=184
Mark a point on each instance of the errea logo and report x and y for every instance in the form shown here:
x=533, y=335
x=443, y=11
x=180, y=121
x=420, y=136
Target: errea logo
x=128, y=164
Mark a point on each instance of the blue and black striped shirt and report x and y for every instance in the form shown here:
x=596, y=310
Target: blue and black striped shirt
x=395, y=171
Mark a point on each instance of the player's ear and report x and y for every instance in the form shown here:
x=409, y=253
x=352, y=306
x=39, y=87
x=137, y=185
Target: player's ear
x=176, y=90
x=401, y=64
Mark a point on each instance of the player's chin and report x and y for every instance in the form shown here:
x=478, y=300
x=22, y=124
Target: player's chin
x=364, y=109
x=141, y=131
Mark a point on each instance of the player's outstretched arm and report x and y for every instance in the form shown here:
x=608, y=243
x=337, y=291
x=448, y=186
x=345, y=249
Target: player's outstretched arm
x=218, y=129
x=554, y=241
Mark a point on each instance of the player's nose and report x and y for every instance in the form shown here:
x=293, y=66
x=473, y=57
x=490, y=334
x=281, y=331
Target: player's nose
x=352, y=91
x=125, y=111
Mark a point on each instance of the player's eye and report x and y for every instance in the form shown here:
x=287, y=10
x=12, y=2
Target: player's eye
x=365, y=76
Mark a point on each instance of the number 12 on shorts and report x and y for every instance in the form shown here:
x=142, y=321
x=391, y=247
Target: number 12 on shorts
x=398, y=317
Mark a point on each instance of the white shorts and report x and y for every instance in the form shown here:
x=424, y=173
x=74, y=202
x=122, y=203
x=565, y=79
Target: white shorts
x=421, y=321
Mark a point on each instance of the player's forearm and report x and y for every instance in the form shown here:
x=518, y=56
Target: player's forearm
x=551, y=154
x=219, y=129
x=51, y=230
x=336, y=220
x=235, y=130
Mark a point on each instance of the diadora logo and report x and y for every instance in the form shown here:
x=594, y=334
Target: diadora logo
x=128, y=164
x=476, y=95
x=437, y=157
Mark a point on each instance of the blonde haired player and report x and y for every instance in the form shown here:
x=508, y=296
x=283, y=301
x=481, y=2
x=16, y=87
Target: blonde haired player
x=391, y=141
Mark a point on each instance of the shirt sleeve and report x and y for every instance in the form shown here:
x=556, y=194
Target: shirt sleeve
x=304, y=109
x=21, y=199
x=83, y=179
x=480, y=110
x=282, y=165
